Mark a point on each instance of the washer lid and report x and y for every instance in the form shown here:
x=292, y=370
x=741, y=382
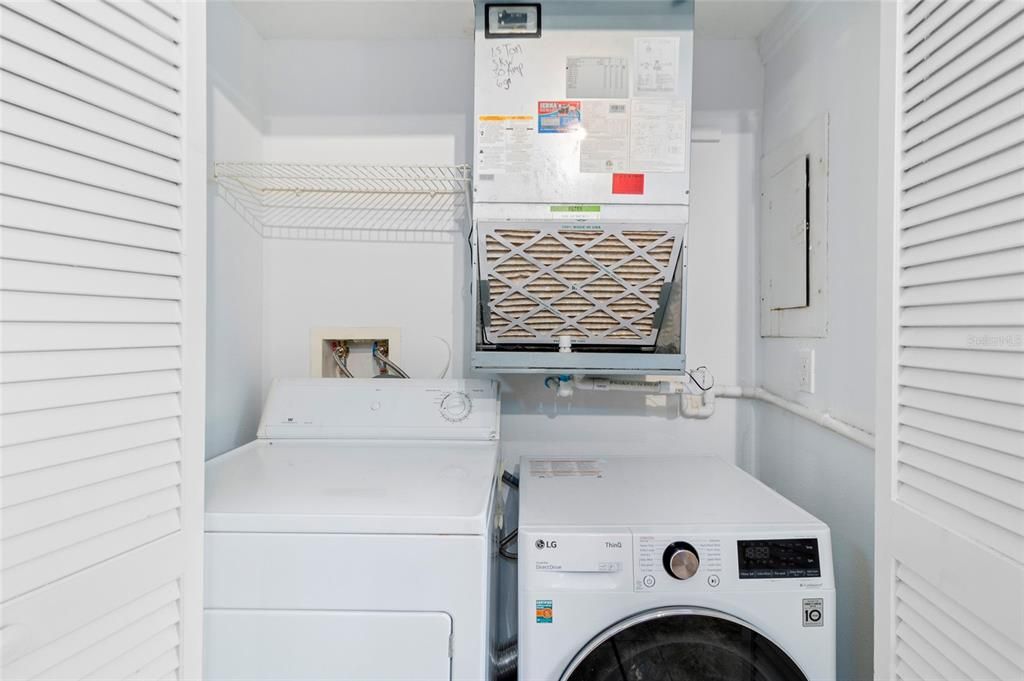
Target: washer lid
x=396, y=487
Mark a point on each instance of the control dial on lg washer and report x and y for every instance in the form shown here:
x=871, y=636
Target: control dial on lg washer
x=681, y=560
x=456, y=406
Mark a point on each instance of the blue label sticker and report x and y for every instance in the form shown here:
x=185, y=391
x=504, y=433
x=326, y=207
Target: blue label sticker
x=558, y=117
x=545, y=612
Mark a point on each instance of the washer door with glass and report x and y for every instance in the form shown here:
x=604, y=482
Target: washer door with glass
x=682, y=644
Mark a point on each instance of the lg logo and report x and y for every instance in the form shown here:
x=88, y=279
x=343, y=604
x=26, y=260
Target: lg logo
x=541, y=544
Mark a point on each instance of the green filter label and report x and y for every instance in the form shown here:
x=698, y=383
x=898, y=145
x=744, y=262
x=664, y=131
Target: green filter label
x=584, y=209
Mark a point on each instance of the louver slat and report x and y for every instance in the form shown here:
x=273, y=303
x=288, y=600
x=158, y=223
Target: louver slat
x=61, y=450
x=28, y=124
x=933, y=15
x=155, y=17
x=969, y=267
x=971, y=25
x=975, y=111
x=101, y=41
x=42, y=187
x=42, y=158
x=17, y=27
x=924, y=52
x=127, y=28
x=42, y=366
x=44, y=219
x=982, y=241
x=76, y=644
x=37, y=246
x=1000, y=313
x=997, y=647
x=986, y=72
x=89, y=88
x=1000, y=463
x=969, y=57
x=998, y=388
x=47, y=336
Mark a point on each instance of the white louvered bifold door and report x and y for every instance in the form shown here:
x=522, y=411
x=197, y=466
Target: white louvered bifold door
x=102, y=336
x=950, y=511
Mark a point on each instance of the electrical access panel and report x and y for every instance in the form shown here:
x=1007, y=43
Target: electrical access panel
x=581, y=165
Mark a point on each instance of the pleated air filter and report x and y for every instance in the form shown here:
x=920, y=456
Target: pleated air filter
x=604, y=285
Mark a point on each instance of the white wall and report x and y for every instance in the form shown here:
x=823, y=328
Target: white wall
x=366, y=102
x=234, y=305
x=823, y=58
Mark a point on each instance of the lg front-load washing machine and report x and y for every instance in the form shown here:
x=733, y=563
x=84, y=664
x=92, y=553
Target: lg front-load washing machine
x=650, y=568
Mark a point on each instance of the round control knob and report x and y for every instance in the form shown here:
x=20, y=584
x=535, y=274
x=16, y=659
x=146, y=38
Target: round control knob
x=681, y=560
x=456, y=406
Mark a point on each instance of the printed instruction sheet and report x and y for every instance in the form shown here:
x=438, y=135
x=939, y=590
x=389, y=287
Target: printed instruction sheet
x=506, y=146
x=605, y=149
x=657, y=135
x=657, y=66
x=597, y=78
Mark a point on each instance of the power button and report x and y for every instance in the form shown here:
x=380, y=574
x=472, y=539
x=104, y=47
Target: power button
x=649, y=581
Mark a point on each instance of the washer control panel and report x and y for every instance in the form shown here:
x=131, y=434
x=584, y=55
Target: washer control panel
x=675, y=562
x=778, y=558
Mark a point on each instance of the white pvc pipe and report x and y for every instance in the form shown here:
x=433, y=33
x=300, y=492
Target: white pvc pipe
x=697, y=406
x=702, y=405
x=823, y=419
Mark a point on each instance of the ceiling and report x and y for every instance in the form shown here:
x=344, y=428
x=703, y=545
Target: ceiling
x=377, y=19
x=359, y=19
x=736, y=18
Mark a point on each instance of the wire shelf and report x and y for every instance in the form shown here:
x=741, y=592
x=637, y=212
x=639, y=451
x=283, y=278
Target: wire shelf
x=348, y=202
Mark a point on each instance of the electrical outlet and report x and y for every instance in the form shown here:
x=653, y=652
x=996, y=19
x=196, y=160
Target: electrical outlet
x=807, y=370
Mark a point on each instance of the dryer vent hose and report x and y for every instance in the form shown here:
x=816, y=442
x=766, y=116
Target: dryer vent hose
x=506, y=662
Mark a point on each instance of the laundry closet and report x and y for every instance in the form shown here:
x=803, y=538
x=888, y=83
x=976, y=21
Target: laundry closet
x=392, y=90
x=662, y=228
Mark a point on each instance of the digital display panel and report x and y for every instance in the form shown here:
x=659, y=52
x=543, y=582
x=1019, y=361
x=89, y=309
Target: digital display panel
x=778, y=558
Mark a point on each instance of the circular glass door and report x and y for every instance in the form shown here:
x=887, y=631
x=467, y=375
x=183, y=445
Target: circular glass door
x=682, y=644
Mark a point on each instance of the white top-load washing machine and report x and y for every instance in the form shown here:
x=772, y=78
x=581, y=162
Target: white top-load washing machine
x=654, y=568
x=355, y=538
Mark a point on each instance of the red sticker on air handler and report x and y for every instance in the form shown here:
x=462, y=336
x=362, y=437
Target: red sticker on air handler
x=627, y=183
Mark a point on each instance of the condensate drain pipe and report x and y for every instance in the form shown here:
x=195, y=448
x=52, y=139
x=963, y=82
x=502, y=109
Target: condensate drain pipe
x=701, y=405
x=823, y=419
